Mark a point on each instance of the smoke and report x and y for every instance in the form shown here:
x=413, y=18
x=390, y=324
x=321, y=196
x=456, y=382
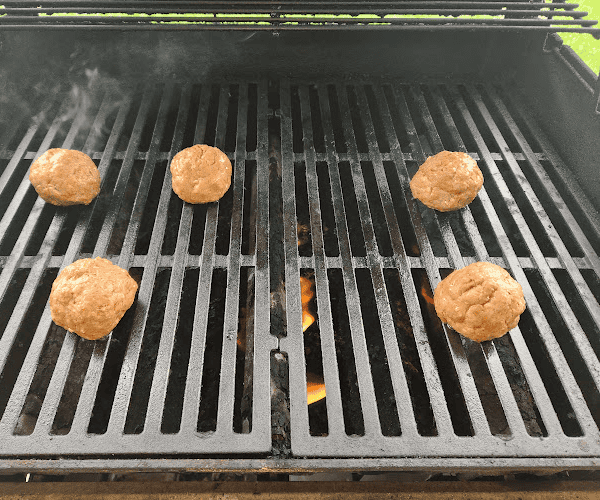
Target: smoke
x=13, y=109
x=84, y=69
x=90, y=92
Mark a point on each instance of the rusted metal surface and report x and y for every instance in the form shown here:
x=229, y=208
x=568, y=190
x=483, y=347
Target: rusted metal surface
x=334, y=490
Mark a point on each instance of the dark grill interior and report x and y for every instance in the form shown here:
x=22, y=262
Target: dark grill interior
x=211, y=359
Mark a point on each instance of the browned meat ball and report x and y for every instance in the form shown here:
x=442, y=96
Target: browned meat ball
x=65, y=177
x=481, y=301
x=201, y=174
x=447, y=181
x=90, y=296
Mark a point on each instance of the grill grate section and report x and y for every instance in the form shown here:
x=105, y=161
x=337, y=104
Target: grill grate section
x=497, y=399
x=286, y=14
x=142, y=372
x=189, y=370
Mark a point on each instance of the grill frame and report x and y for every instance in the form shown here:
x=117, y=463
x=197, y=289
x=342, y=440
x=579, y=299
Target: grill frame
x=320, y=262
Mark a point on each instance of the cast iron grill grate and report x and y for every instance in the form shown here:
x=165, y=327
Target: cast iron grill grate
x=319, y=191
x=140, y=194
x=502, y=397
x=255, y=15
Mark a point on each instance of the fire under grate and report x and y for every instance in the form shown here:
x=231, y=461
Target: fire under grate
x=212, y=358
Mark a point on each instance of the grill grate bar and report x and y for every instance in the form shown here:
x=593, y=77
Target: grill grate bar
x=57, y=14
x=533, y=378
x=158, y=391
x=191, y=402
x=407, y=7
x=504, y=392
x=574, y=394
x=57, y=382
x=126, y=378
x=560, y=300
x=358, y=262
x=230, y=326
x=238, y=24
x=225, y=411
x=511, y=409
x=335, y=412
x=255, y=23
x=7, y=154
x=361, y=357
x=475, y=409
x=263, y=341
x=296, y=357
x=436, y=393
x=286, y=5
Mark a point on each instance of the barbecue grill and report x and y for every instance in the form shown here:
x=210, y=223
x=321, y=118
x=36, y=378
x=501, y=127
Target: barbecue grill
x=326, y=110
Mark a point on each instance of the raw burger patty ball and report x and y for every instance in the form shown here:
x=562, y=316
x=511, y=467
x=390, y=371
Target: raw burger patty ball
x=90, y=296
x=447, y=181
x=481, y=301
x=65, y=177
x=201, y=174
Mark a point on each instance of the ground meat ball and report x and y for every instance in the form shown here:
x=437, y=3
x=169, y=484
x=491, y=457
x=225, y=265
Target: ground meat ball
x=200, y=174
x=481, y=301
x=447, y=181
x=90, y=296
x=65, y=177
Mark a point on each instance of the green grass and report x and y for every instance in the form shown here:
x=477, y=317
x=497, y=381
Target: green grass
x=586, y=46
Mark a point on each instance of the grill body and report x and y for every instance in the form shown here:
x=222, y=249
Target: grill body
x=324, y=129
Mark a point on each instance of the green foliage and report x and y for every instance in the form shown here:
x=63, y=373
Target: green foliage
x=586, y=46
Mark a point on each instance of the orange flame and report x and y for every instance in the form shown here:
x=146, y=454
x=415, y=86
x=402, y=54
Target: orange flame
x=428, y=298
x=307, y=295
x=315, y=386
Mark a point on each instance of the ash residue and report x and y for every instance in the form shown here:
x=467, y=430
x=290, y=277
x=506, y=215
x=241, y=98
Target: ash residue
x=280, y=406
